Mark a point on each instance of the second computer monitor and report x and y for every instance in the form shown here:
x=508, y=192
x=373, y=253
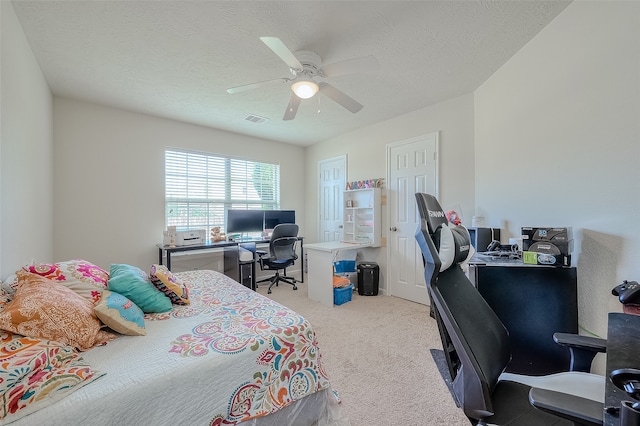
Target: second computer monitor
x=276, y=217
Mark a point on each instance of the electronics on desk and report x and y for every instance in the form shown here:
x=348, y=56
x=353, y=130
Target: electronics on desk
x=627, y=292
x=276, y=217
x=244, y=221
x=547, y=246
x=272, y=218
x=481, y=238
x=247, y=225
x=497, y=249
x=187, y=238
x=246, y=252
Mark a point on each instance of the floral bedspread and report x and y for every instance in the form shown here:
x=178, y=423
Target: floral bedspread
x=230, y=356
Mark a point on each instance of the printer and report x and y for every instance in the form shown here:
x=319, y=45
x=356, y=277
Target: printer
x=187, y=238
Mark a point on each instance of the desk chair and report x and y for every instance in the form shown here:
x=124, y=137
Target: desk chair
x=282, y=254
x=477, y=347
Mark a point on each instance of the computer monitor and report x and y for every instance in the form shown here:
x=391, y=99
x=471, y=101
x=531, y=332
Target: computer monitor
x=244, y=221
x=276, y=217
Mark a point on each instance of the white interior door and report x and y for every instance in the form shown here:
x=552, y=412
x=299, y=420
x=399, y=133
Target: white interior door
x=333, y=181
x=412, y=167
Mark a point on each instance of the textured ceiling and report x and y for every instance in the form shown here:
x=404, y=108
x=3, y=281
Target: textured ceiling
x=176, y=59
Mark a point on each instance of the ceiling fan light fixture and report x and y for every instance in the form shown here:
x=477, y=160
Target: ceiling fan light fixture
x=304, y=89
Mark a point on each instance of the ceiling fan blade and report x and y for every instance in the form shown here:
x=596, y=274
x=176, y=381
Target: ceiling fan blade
x=283, y=52
x=340, y=97
x=292, y=108
x=257, y=85
x=351, y=66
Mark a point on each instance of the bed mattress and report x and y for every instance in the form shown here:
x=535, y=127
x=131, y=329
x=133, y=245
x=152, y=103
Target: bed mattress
x=231, y=356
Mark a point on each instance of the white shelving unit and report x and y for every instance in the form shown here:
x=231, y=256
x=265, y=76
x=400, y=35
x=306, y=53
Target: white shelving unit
x=362, y=222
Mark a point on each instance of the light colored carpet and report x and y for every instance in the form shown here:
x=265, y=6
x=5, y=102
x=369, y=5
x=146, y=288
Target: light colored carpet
x=377, y=352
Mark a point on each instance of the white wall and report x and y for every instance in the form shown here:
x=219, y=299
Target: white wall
x=109, y=178
x=366, y=159
x=26, y=152
x=558, y=142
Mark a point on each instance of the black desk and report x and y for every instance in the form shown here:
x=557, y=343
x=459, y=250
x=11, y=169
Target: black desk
x=533, y=302
x=167, y=250
x=623, y=351
x=162, y=249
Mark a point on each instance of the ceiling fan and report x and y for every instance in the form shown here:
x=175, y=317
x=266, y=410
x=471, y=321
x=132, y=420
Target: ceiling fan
x=309, y=76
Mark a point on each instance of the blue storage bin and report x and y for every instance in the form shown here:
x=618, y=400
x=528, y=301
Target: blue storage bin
x=343, y=266
x=342, y=295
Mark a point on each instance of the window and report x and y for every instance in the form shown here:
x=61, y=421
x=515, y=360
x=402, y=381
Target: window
x=201, y=187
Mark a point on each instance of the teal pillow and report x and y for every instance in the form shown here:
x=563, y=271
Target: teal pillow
x=134, y=284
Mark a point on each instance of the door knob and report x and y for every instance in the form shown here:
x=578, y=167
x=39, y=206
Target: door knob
x=393, y=228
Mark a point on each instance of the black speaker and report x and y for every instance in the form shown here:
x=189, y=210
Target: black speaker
x=482, y=237
x=368, y=279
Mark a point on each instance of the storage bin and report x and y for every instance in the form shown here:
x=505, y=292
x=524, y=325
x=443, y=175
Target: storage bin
x=343, y=266
x=342, y=295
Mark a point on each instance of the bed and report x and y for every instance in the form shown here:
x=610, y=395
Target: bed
x=230, y=356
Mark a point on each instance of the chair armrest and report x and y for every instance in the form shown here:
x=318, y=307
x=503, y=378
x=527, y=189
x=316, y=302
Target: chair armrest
x=583, y=342
x=583, y=349
x=571, y=407
x=261, y=253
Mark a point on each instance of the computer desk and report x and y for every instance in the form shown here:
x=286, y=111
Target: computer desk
x=320, y=264
x=166, y=250
x=623, y=351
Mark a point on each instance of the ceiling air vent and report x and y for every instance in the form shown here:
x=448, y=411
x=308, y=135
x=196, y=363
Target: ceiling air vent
x=256, y=119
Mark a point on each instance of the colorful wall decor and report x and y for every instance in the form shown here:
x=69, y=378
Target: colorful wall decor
x=367, y=183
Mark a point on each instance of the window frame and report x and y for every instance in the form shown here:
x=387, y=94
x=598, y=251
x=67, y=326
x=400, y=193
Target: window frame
x=210, y=175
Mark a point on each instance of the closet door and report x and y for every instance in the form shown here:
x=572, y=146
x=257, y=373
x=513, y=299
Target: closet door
x=332, y=183
x=412, y=167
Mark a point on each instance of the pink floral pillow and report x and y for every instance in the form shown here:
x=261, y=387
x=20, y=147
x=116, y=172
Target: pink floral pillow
x=84, y=278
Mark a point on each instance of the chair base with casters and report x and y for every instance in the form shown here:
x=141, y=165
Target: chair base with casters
x=282, y=254
x=275, y=279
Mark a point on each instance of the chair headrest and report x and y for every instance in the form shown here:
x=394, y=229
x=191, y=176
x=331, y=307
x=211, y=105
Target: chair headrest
x=284, y=230
x=430, y=211
x=452, y=242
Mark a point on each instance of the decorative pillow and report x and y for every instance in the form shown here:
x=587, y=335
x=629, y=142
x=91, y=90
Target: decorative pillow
x=169, y=284
x=45, y=309
x=120, y=314
x=134, y=284
x=21, y=356
x=85, y=278
x=61, y=372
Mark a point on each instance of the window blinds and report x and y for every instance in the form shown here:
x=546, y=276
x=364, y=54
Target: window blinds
x=201, y=187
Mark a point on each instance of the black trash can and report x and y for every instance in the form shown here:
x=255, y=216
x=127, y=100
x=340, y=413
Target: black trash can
x=368, y=278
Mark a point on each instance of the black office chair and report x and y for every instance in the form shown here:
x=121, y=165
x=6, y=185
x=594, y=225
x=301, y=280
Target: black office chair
x=282, y=254
x=477, y=347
